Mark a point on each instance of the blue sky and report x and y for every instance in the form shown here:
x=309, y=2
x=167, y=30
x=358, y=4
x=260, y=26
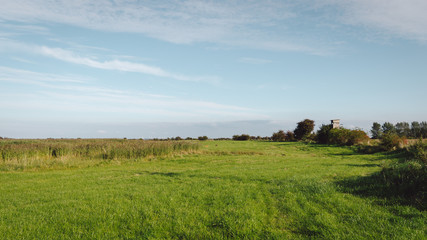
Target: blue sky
x=145, y=69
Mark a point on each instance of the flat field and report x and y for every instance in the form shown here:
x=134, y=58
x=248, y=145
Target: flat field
x=220, y=190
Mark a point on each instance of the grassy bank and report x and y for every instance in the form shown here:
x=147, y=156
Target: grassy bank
x=225, y=190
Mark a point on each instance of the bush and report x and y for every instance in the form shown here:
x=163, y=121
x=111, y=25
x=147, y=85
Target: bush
x=243, y=137
x=391, y=141
x=340, y=136
x=279, y=136
x=357, y=136
x=418, y=151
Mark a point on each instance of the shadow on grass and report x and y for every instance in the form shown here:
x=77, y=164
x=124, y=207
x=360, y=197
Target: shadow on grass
x=375, y=186
x=363, y=165
x=165, y=174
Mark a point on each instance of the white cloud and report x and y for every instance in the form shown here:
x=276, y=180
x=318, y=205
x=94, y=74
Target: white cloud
x=407, y=19
x=68, y=56
x=115, y=64
x=253, y=24
x=24, y=76
x=72, y=95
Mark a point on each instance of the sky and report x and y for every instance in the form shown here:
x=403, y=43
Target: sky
x=158, y=69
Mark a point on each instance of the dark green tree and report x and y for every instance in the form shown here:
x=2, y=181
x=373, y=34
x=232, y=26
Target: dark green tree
x=279, y=136
x=203, y=138
x=388, y=128
x=403, y=129
x=304, y=129
x=323, y=133
x=416, y=129
x=243, y=137
x=376, y=131
x=424, y=129
x=290, y=136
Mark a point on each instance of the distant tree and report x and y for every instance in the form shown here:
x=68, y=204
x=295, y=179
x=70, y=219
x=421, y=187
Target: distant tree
x=388, y=128
x=416, y=129
x=279, y=136
x=304, y=129
x=403, y=129
x=243, y=137
x=376, y=131
x=423, y=126
x=203, y=138
x=290, y=136
x=323, y=133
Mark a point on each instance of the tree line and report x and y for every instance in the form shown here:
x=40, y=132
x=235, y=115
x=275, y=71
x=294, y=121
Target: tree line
x=401, y=129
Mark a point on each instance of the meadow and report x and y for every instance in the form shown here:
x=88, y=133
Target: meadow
x=114, y=189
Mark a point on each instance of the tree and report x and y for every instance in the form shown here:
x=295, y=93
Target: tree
x=304, y=129
x=376, y=131
x=203, y=138
x=416, y=129
x=243, y=137
x=403, y=129
x=323, y=133
x=424, y=129
x=290, y=136
x=388, y=128
x=279, y=136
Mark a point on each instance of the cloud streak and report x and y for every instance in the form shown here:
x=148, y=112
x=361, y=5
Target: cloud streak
x=406, y=19
x=68, y=56
x=73, y=95
x=236, y=23
x=115, y=64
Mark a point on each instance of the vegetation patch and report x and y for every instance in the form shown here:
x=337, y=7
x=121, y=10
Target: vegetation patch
x=54, y=153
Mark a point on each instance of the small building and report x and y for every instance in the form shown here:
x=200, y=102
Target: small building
x=335, y=123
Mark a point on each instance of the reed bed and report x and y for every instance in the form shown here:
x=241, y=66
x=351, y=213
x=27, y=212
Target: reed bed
x=58, y=153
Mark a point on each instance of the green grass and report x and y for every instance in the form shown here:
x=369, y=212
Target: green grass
x=224, y=190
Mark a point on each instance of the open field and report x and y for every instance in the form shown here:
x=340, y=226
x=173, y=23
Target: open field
x=219, y=190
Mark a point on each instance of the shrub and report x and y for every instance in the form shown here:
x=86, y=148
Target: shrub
x=243, y=137
x=341, y=136
x=279, y=136
x=418, y=151
x=391, y=141
x=338, y=136
x=357, y=136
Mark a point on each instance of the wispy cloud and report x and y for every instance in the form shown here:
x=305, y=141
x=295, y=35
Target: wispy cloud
x=68, y=56
x=115, y=64
x=24, y=76
x=74, y=95
x=407, y=19
x=240, y=23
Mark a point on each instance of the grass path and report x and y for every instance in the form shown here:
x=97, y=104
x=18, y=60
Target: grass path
x=252, y=190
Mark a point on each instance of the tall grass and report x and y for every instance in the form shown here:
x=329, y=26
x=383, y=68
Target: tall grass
x=54, y=153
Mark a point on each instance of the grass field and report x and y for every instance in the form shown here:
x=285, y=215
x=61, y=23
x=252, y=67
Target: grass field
x=220, y=190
